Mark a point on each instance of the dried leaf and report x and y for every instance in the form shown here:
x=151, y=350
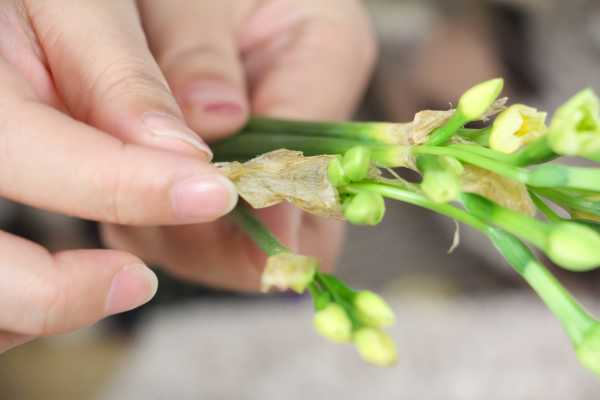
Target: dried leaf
x=507, y=193
x=455, y=238
x=285, y=175
x=427, y=121
x=287, y=271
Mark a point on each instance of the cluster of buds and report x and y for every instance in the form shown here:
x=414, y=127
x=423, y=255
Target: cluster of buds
x=495, y=179
x=343, y=315
x=363, y=208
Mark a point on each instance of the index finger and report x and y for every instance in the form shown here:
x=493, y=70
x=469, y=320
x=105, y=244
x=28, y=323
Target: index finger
x=54, y=162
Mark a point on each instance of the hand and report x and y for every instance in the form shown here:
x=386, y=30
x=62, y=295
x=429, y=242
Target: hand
x=306, y=59
x=77, y=83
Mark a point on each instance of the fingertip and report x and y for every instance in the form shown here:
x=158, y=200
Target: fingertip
x=203, y=198
x=168, y=132
x=134, y=285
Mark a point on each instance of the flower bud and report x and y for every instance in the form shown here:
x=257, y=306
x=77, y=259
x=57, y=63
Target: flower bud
x=286, y=271
x=574, y=246
x=335, y=173
x=476, y=101
x=441, y=186
x=356, y=163
x=333, y=323
x=515, y=127
x=588, y=351
x=375, y=347
x=372, y=310
x=365, y=208
x=575, y=127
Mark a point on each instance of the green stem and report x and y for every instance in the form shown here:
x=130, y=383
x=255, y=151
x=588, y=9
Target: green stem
x=479, y=136
x=483, y=151
x=523, y=226
x=372, y=132
x=252, y=145
x=259, y=233
x=569, y=202
x=534, y=153
x=442, y=134
x=322, y=280
x=544, y=208
x=397, y=193
x=555, y=175
x=575, y=320
x=508, y=171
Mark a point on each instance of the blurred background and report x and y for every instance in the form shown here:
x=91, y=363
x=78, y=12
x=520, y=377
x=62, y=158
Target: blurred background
x=468, y=327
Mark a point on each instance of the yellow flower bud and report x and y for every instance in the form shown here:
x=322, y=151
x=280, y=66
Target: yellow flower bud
x=478, y=99
x=517, y=126
x=333, y=323
x=375, y=347
x=372, y=310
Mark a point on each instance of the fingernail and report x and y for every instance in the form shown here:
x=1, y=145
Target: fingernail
x=165, y=126
x=131, y=287
x=216, y=98
x=203, y=198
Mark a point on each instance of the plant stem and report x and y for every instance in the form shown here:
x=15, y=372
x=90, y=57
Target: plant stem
x=518, y=224
x=570, y=202
x=479, y=136
x=407, y=196
x=534, y=153
x=259, y=233
x=544, y=208
x=442, y=134
x=251, y=145
x=508, y=171
x=554, y=175
x=575, y=320
x=484, y=152
x=372, y=132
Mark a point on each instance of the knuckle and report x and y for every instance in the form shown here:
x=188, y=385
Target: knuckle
x=118, y=189
x=133, y=196
x=126, y=79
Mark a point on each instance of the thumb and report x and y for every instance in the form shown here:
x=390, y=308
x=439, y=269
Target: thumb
x=43, y=294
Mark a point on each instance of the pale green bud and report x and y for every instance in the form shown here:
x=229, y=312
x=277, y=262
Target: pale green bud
x=515, y=127
x=574, y=246
x=356, y=163
x=588, y=351
x=372, y=310
x=575, y=127
x=365, y=208
x=441, y=186
x=375, y=347
x=333, y=323
x=477, y=100
x=335, y=172
x=286, y=271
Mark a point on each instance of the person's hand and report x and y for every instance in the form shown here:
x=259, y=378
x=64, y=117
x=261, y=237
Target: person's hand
x=77, y=83
x=224, y=59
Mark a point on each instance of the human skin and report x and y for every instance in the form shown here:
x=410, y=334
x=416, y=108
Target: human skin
x=106, y=110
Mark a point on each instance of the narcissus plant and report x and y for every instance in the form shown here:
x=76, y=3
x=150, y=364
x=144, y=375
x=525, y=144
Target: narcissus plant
x=502, y=179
